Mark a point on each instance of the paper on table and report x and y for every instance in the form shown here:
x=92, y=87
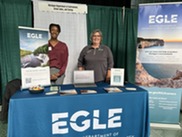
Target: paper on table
x=113, y=89
x=88, y=91
x=68, y=92
x=51, y=93
x=130, y=88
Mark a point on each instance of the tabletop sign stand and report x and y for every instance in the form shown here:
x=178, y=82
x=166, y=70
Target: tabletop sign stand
x=117, y=77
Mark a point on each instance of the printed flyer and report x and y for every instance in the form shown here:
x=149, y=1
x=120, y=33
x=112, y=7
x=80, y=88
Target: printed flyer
x=34, y=59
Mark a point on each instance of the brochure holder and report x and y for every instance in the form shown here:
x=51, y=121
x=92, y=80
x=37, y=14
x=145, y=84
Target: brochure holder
x=117, y=77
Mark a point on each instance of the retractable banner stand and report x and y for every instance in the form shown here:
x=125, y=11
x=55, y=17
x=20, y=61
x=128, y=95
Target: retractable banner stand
x=34, y=59
x=159, y=60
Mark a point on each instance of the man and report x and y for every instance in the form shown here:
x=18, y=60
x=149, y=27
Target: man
x=58, y=55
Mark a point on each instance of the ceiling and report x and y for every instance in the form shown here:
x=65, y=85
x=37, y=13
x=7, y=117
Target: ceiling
x=116, y=3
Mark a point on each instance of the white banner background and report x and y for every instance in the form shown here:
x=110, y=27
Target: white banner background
x=73, y=29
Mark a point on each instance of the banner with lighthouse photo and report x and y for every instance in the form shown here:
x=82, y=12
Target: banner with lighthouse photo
x=159, y=59
x=34, y=59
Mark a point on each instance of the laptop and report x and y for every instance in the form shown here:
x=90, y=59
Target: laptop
x=84, y=78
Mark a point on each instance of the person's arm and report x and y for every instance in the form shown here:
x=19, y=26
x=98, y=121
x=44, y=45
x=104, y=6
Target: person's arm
x=81, y=60
x=108, y=76
x=110, y=62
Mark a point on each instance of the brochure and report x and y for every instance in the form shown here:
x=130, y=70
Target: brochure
x=113, y=90
x=68, y=92
x=130, y=88
x=88, y=91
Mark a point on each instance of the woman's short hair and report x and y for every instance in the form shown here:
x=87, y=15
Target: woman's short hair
x=94, y=31
x=54, y=25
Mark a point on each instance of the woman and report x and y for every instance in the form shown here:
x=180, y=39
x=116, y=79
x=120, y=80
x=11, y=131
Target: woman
x=96, y=57
x=58, y=55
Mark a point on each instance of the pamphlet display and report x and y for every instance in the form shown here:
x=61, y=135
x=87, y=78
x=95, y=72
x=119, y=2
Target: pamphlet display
x=84, y=78
x=34, y=58
x=117, y=77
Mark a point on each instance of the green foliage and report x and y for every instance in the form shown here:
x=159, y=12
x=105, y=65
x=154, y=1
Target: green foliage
x=24, y=53
x=41, y=49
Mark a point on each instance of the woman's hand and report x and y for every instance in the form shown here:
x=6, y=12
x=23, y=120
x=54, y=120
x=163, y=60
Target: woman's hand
x=108, y=76
x=54, y=76
x=81, y=68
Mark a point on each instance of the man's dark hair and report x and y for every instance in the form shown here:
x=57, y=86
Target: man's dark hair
x=56, y=25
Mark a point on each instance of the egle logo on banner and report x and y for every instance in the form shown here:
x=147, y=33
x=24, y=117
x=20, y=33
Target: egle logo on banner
x=63, y=123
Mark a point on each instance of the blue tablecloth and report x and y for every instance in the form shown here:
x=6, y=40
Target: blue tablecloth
x=123, y=114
